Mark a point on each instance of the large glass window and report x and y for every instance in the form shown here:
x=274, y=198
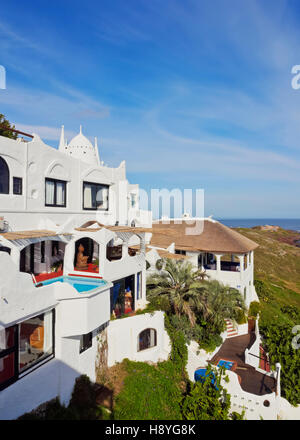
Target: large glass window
x=55, y=194
x=147, y=339
x=35, y=340
x=4, y=177
x=95, y=196
x=25, y=345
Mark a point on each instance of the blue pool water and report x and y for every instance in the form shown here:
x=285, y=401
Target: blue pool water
x=81, y=284
x=201, y=375
x=227, y=364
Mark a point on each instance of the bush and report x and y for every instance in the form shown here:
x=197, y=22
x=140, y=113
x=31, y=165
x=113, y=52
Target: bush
x=254, y=309
x=240, y=317
x=159, y=264
x=262, y=290
x=210, y=342
x=207, y=401
x=292, y=312
x=278, y=343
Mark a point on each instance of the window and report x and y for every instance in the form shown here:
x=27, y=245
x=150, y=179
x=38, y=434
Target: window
x=4, y=177
x=95, y=196
x=24, y=345
x=17, y=185
x=86, y=341
x=35, y=340
x=55, y=194
x=139, y=286
x=147, y=339
x=180, y=252
x=133, y=200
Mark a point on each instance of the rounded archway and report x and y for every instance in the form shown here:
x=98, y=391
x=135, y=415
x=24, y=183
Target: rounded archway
x=86, y=256
x=4, y=177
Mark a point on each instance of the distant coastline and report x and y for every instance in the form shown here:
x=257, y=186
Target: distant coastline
x=289, y=224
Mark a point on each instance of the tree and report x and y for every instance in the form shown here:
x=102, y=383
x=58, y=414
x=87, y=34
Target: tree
x=207, y=399
x=222, y=302
x=4, y=124
x=182, y=286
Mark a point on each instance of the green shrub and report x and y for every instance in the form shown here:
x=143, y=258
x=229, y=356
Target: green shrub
x=292, y=312
x=210, y=342
x=240, y=317
x=277, y=339
x=263, y=291
x=159, y=264
x=254, y=309
x=207, y=401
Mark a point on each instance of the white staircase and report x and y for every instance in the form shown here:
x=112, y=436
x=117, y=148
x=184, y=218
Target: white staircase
x=231, y=331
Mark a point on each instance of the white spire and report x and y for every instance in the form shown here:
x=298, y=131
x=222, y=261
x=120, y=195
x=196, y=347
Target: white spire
x=97, y=151
x=80, y=131
x=62, y=142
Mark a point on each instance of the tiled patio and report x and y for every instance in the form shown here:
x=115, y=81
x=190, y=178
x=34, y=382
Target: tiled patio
x=251, y=380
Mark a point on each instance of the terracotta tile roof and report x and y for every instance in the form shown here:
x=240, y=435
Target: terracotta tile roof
x=23, y=235
x=215, y=237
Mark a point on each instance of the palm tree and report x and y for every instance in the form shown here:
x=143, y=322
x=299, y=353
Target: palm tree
x=184, y=288
x=223, y=302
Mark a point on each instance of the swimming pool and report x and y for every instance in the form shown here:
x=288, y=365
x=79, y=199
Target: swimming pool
x=81, y=284
x=227, y=364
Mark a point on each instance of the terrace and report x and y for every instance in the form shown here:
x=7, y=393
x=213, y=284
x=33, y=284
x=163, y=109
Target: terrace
x=251, y=381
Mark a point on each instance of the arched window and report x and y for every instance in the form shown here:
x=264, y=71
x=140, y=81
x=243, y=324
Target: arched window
x=147, y=339
x=4, y=177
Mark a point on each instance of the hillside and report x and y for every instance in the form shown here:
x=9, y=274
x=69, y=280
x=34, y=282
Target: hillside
x=277, y=264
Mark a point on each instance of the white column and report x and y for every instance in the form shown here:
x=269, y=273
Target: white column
x=241, y=258
x=218, y=257
x=278, y=387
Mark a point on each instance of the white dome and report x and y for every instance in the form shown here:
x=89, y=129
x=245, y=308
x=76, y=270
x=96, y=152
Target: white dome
x=81, y=148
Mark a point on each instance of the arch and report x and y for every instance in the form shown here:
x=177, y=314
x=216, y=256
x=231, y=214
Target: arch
x=95, y=175
x=114, y=249
x=57, y=170
x=147, y=339
x=4, y=177
x=134, y=245
x=86, y=255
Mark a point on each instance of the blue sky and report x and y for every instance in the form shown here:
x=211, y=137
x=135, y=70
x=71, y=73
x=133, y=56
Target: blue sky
x=192, y=94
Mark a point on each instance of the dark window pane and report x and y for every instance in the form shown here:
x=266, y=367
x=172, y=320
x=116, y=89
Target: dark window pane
x=17, y=185
x=4, y=177
x=147, y=339
x=86, y=342
x=7, y=367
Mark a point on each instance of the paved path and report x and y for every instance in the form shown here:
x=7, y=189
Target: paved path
x=251, y=380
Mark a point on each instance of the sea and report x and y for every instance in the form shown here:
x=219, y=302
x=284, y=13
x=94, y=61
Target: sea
x=290, y=223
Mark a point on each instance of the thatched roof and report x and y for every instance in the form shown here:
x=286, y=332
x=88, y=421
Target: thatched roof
x=215, y=237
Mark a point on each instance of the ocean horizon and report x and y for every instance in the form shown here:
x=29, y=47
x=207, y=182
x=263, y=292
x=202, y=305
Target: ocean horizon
x=290, y=224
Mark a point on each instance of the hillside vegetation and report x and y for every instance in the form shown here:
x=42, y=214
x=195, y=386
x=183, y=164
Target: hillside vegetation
x=277, y=282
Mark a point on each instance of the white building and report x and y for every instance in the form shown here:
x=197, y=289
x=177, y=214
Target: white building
x=222, y=253
x=73, y=249
x=68, y=266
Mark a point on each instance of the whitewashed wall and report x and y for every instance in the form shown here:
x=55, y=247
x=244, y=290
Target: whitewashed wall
x=123, y=339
